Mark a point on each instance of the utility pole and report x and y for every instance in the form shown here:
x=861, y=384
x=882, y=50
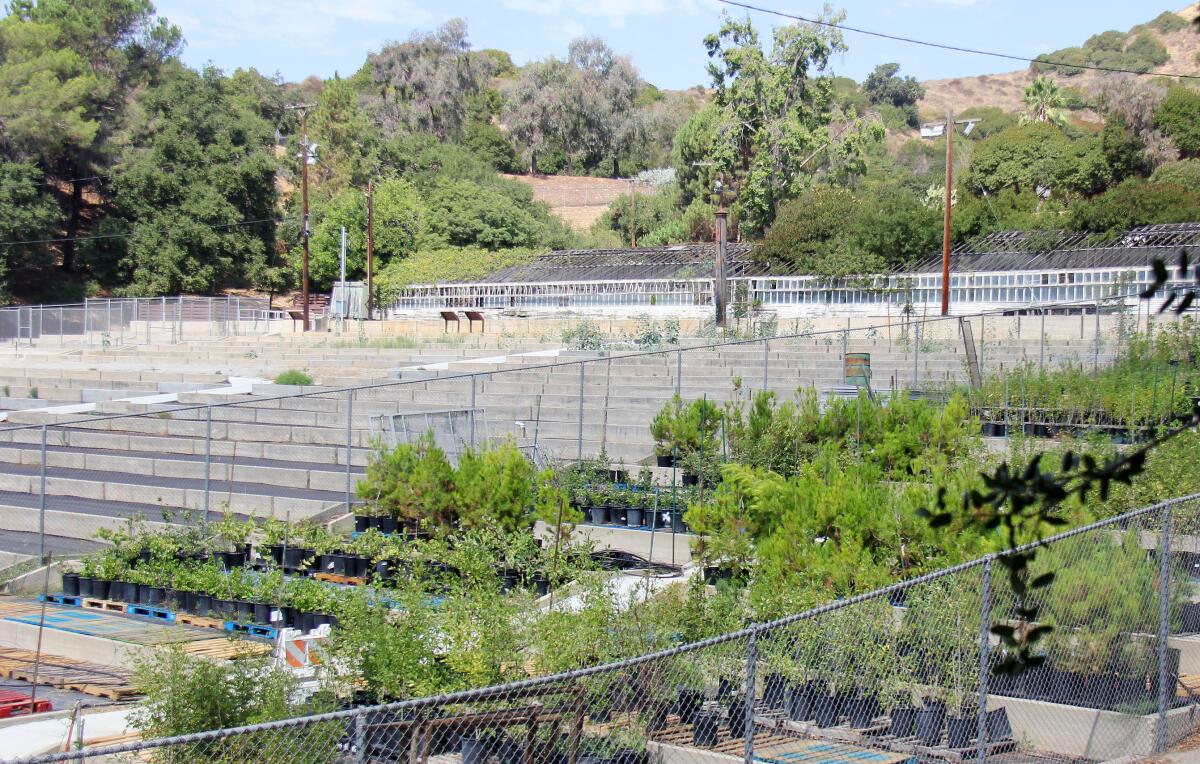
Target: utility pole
x=946, y=213
x=345, y=303
x=936, y=130
x=370, y=246
x=305, y=155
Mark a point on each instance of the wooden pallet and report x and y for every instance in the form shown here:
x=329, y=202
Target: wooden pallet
x=14, y=607
x=333, y=578
x=228, y=648
x=67, y=674
x=914, y=745
x=106, y=606
x=187, y=619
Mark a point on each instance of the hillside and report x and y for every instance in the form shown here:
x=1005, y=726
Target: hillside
x=1004, y=90
x=578, y=200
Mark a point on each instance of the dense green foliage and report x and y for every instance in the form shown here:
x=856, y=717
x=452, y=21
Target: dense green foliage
x=1139, y=52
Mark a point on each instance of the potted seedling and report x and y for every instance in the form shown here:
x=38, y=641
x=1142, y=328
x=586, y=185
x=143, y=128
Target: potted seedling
x=661, y=429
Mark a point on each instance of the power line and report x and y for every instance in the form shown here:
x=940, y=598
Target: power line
x=130, y=234
x=955, y=48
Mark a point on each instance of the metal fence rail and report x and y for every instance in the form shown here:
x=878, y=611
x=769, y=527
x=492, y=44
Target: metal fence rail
x=898, y=673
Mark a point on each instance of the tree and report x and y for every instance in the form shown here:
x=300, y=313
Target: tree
x=1044, y=101
x=195, y=188
x=345, y=136
x=1137, y=202
x=27, y=212
x=776, y=109
x=125, y=46
x=882, y=86
x=1020, y=158
x=1123, y=149
x=609, y=85
x=1179, y=118
x=427, y=83
x=536, y=107
x=399, y=225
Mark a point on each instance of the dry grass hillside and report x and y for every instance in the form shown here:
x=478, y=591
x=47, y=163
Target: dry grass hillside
x=1005, y=90
x=578, y=200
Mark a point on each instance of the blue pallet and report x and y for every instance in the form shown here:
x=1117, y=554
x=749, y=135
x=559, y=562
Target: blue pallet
x=252, y=629
x=60, y=599
x=154, y=613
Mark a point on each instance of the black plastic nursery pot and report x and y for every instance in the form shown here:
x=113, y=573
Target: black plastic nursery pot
x=203, y=604
x=667, y=460
x=332, y=563
x=230, y=560
x=960, y=730
x=775, y=691
x=70, y=583
x=826, y=709
x=361, y=523
x=656, y=716
x=388, y=524
x=128, y=592
x=930, y=720
x=262, y=613
x=690, y=479
x=688, y=704
x=677, y=523
x=800, y=704
x=904, y=721
x=474, y=750
x=861, y=710
x=541, y=584
x=101, y=588
x=294, y=557
x=598, y=515
x=85, y=586
x=245, y=611
x=704, y=729
x=634, y=518
x=737, y=718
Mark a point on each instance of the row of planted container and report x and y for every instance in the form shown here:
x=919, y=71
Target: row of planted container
x=294, y=575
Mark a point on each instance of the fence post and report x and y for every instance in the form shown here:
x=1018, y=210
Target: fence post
x=766, y=363
x=360, y=740
x=208, y=457
x=37, y=662
x=985, y=623
x=579, y=442
x=679, y=372
x=751, y=665
x=917, y=354
x=845, y=343
x=1096, y=352
x=350, y=437
x=1164, y=615
x=473, y=378
x=1042, y=345
x=86, y=321
x=982, y=342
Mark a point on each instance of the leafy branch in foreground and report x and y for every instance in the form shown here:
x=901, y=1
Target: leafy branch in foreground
x=1022, y=503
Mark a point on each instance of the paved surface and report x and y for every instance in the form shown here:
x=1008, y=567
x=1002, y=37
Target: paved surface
x=215, y=486
x=96, y=506
x=243, y=461
x=22, y=542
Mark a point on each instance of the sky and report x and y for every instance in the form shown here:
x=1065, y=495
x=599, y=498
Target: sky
x=298, y=38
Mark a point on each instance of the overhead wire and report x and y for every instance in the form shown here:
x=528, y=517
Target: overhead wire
x=956, y=48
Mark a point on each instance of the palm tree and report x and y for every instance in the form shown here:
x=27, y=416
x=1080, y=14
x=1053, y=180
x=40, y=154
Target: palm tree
x=1044, y=100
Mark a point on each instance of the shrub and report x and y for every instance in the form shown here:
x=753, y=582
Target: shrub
x=293, y=377
x=1136, y=202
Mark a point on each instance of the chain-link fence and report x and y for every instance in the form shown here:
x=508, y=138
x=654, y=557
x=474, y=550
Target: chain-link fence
x=275, y=453
x=904, y=673
x=138, y=321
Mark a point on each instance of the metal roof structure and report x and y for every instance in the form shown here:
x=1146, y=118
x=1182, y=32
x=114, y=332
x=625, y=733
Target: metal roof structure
x=1000, y=251
x=675, y=262
x=1068, y=250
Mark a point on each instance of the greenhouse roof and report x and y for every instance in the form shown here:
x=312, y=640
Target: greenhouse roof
x=1001, y=251
x=680, y=261
x=1066, y=250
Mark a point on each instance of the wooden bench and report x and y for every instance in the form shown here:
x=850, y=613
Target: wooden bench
x=472, y=317
x=447, y=317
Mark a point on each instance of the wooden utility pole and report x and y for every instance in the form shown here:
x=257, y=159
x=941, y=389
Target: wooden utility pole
x=304, y=201
x=370, y=246
x=719, y=277
x=946, y=213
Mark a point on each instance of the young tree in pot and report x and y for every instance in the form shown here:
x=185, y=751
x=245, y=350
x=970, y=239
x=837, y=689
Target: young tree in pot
x=233, y=535
x=662, y=430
